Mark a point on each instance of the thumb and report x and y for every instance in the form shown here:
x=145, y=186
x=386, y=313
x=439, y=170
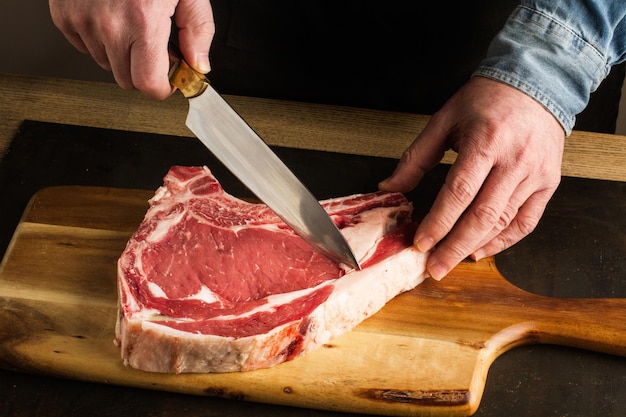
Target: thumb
x=420, y=157
x=194, y=19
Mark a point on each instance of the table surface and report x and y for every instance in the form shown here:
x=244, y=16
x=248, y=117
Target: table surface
x=296, y=125
x=289, y=124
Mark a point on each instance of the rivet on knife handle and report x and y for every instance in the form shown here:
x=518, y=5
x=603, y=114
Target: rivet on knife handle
x=189, y=81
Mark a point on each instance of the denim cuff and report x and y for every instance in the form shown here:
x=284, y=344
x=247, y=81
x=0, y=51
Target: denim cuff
x=547, y=60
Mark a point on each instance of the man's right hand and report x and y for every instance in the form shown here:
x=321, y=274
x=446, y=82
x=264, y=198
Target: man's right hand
x=130, y=37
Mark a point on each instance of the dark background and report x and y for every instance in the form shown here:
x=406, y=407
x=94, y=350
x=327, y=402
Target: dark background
x=397, y=55
x=394, y=55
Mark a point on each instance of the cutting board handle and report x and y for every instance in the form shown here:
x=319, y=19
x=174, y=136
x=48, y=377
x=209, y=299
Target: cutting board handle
x=597, y=324
x=503, y=316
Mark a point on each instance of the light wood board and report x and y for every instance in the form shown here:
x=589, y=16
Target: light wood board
x=427, y=352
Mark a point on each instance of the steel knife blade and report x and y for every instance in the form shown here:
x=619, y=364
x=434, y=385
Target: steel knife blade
x=224, y=132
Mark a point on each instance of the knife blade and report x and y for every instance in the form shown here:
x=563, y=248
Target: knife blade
x=224, y=132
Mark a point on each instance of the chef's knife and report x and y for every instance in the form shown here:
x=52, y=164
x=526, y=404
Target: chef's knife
x=244, y=153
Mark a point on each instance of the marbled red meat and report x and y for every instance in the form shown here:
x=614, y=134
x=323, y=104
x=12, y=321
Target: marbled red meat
x=212, y=283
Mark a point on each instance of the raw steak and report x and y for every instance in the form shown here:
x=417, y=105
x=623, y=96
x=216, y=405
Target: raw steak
x=211, y=283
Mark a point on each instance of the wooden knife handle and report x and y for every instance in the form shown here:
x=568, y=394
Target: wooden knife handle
x=189, y=81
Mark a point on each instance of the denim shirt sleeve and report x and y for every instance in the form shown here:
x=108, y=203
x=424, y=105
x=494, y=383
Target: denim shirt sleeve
x=558, y=52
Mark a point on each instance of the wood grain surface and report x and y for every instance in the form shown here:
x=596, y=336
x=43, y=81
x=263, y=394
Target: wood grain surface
x=426, y=353
x=283, y=123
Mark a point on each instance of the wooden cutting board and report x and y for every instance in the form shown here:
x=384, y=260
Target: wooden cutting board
x=427, y=352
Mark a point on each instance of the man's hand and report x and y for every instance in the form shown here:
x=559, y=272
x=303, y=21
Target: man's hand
x=508, y=166
x=130, y=37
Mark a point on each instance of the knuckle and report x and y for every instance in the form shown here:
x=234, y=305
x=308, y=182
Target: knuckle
x=506, y=218
x=520, y=227
x=122, y=80
x=487, y=215
x=153, y=92
x=526, y=224
x=144, y=82
x=408, y=156
x=462, y=190
x=204, y=27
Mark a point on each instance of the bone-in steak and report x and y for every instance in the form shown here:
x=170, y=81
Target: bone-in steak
x=212, y=283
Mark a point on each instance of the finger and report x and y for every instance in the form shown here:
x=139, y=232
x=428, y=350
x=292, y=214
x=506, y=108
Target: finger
x=80, y=36
x=519, y=197
x=63, y=23
x=483, y=214
x=420, y=157
x=524, y=223
x=506, y=218
x=97, y=51
x=194, y=19
x=120, y=66
x=149, y=63
x=105, y=43
x=75, y=40
x=462, y=184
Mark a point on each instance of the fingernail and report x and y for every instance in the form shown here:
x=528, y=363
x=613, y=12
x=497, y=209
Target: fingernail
x=424, y=244
x=202, y=62
x=383, y=184
x=438, y=271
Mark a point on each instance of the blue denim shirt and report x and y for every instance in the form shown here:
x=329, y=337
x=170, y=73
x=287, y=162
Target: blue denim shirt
x=558, y=52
